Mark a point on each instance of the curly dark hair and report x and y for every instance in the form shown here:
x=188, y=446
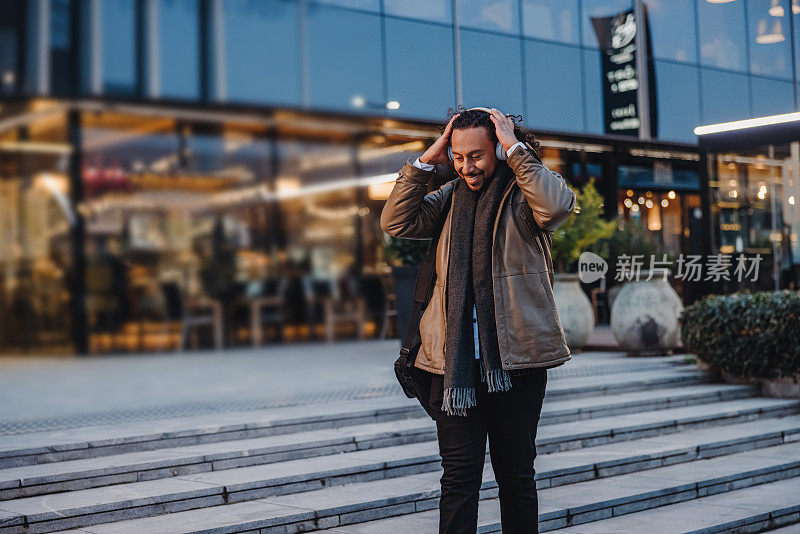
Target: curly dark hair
x=476, y=117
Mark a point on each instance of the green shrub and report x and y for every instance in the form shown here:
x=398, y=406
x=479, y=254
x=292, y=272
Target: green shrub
x=634, y=239
x=746, y=334
x=583, y=228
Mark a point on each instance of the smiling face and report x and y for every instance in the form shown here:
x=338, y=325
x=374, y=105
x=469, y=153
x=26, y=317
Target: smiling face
x=474, y=157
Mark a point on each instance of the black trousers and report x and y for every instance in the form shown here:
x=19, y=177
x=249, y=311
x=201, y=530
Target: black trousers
x=510, y=419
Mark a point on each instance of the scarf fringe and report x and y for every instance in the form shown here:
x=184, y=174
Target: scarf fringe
x=457, y=400
x=499, y=380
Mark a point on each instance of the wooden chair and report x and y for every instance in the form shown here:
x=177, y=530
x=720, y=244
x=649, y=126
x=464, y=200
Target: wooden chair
x=267, y=307
x=193, y=312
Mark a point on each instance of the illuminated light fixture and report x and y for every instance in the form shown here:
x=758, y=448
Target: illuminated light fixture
x=665, y=203
x=671, y=194
x=35, y=147
x=791, y=200
x=628, y=203
x=358, y=101
x=640, y=200
x=649, y=193
x=393, y=104
x=653, y=219
x=747, y=123
x=629, y=193
x=379, y=191
x=776, y=10
x=795, y=7
x=769, y=38
x=649, y=203
x=333, y=185
x=733, y=193
x=634, y=208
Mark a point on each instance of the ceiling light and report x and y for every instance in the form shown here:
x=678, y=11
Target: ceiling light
x=358, y=101
x=747, y=123
x=776, y=36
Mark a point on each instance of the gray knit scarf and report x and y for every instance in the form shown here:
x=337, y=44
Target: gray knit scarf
x=469, y=280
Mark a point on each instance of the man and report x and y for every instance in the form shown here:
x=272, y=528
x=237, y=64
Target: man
x=491, y=329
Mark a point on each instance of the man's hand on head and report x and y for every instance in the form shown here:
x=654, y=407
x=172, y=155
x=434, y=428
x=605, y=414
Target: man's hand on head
x=437, y=153
x=504, y=126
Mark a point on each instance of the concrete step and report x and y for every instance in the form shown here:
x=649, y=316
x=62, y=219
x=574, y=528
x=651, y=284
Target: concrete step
x=753, y=509
x=31, y=480
x=397, y=504
x=791, y=529
x=93, y=442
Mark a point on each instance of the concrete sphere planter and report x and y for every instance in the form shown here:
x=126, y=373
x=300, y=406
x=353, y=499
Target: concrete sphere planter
x=574, y=309
x=645, y=316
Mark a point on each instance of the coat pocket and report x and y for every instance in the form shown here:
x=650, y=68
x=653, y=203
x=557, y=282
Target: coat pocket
x=531, y=328
x=432, y=330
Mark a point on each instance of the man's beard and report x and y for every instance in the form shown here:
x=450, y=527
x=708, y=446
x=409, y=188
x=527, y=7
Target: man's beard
x=468, y=177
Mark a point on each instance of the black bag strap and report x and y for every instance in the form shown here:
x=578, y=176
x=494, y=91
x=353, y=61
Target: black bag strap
x=423, y=287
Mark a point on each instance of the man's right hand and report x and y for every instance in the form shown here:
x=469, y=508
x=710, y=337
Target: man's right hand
x=437, y=153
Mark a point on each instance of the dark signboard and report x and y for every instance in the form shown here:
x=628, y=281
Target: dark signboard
x=622, y=79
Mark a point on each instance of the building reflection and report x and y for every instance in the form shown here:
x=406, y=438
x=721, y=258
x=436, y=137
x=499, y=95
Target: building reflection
x=231, y=229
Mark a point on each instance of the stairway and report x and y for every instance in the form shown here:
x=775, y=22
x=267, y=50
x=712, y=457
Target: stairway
x=651, y=446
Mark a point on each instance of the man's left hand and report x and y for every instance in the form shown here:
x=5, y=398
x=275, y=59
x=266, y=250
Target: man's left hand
x=504, y=126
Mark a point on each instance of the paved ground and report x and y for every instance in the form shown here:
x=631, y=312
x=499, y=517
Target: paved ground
x=40, y=393
x=39, y=387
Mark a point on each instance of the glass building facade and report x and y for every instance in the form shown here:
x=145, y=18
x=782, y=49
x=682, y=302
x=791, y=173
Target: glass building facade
x=164, y=159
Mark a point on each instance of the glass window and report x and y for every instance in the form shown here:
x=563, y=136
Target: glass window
x=262, y=58
x=722, y=35
x=678, y=105
x=554, y=100
x=319, y=226
x=36, y=267
x=61, y=73
x=672, y=37
x=483, y=53
x=796, y=30
x=774, y=96
x=118, y=29
x=768, y=28
x=178, y=40
x=553, y=20
x=421, y=81
x=348, y=75
x=367, y=5
x=593, y=91
x=428, y=10
x=494, y=15
x=600, y=9
x=725, y=96
x=11, y=18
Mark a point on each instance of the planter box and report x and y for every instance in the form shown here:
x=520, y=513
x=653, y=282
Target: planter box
x=785, y=388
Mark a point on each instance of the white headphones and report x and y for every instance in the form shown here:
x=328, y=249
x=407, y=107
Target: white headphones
x=499, y=151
